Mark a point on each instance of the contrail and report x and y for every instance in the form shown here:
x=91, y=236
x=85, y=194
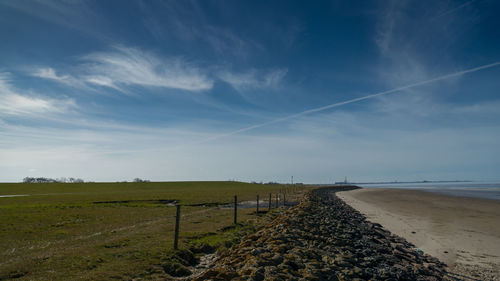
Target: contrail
x=326, y=107
x=453, y=9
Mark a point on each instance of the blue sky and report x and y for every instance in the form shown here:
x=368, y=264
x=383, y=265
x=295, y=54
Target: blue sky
x=218, y=90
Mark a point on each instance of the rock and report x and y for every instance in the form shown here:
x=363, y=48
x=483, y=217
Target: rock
x=323, y=238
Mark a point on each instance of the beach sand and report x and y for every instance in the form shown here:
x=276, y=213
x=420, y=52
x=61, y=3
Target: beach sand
x=462, y=232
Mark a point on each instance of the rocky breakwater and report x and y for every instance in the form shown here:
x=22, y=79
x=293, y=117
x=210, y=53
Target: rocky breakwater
x=323, y=238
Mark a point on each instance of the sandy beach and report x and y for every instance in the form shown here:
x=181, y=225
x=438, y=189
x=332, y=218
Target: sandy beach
x=462, y=232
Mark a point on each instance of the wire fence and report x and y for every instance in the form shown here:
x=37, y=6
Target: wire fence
x=278, y=200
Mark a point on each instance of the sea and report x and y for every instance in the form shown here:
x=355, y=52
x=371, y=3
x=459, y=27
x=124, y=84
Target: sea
x=485, y=190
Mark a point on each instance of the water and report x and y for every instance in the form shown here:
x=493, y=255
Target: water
x=485, y=190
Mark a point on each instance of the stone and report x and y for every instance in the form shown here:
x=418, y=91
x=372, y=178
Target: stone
x=322, y=238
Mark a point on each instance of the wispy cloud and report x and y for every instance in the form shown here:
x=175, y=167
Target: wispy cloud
x=133, y=66
x=14, y=103
x=404, y=31
x=355, y=100
x=79, y=15
x=387, y=25
x=253, y=79
x=368, y=146
x=123, y=66
x=402, y=35
x=187, y=21
x=50, y=73
x=102, y=81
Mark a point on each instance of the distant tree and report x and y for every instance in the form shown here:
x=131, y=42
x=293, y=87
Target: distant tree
x=28, y=180
x=38, y=180
x=50, y=180
x=140, y=180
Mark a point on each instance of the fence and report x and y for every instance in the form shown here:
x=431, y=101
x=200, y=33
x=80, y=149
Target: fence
x=280, y=199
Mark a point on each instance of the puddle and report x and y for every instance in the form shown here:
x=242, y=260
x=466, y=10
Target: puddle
x=264, y=205
x=13, y=195
x=167, y=202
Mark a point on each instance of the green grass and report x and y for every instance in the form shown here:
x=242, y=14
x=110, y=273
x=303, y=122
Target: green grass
x=186, y=192
x=59, y=232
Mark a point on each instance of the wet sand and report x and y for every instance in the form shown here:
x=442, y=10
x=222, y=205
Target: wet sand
x=462, y=232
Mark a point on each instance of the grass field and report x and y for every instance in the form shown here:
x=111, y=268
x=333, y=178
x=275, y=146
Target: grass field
x=96, y=231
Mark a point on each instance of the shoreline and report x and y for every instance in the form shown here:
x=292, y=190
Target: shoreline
x=460, y=231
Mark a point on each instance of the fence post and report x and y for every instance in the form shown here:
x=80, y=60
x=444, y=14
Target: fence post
x=277, y=200
x=284, y=199
x=177, y=220
x=257, y=204
x=235, y=209
x=270, y=201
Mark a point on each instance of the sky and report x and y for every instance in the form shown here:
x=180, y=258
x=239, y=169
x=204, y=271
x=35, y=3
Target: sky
x=250, y=90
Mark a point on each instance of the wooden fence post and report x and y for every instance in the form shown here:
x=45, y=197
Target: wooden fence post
x=257, y=204
x=284, y=199
x=277, y=200
x=177, y=221
x=270, y=201
x=235, y=209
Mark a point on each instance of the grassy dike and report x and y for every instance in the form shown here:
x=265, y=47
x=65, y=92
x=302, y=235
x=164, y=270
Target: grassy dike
x=96, y=231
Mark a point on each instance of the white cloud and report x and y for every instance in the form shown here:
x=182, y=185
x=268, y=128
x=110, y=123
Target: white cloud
x=129, y=66
x=123, y=66
x=418, y=41
x=49, y=73
x=102, y=81
x=13, y=103
x=415, y=48
x=133, y=66
x=238, y=81
x=387, y=25
x=16, y=104
x=253, y=79
x=273, y=78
